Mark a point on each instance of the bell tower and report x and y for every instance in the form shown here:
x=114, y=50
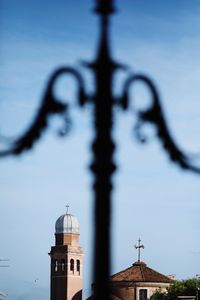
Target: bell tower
x=66, y=260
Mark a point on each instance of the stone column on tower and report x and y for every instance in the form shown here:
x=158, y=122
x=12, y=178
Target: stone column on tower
x=66, y=260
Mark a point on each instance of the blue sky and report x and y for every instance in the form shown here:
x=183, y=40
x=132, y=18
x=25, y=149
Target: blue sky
x=152, y=199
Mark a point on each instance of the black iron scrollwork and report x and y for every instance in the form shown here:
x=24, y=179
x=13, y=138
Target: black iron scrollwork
x=155, y=116
x=49, y=107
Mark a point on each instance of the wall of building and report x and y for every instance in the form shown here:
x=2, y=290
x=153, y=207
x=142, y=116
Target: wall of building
x=151, y=288
x=131, y=291
x=75, y=276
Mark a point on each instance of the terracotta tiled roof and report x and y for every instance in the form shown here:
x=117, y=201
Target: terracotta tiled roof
x=139, y=272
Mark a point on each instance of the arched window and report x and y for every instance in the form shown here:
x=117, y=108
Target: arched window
x=62, y=264
x=71, y=264
x=78, y=265
x=56, y=265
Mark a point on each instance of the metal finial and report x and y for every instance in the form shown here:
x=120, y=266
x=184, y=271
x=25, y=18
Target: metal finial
x=139, y=246
x=67, y=208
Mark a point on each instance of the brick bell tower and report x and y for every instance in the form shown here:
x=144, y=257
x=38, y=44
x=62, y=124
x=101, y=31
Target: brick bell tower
x=66, y=260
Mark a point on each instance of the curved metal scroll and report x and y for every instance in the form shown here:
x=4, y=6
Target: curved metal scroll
x=50, y=106
x=154, y=115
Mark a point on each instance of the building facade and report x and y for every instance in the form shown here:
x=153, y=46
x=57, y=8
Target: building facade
x=66, y=260
x=137, y=282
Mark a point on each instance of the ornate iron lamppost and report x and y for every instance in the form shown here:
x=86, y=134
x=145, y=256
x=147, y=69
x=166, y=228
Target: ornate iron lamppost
x=103, y=67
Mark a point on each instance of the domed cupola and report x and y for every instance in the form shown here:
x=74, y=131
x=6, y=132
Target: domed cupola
x=67, y=223
x=66, y=260
x=67, y=230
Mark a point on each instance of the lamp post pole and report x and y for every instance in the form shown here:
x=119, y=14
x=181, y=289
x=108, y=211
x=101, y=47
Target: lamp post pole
x=103, y=148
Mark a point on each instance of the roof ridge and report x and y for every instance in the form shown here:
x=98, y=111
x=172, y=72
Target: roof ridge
x=122, y=271
x=159, y=273
x=140, y=272
x=141, y=269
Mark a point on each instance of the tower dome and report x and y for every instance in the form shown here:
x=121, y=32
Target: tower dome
x=67, y=223
x=66, y=260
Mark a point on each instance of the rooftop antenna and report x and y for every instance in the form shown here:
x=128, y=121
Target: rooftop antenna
x=2, y=295
x=139, y=246
x=3, y=266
